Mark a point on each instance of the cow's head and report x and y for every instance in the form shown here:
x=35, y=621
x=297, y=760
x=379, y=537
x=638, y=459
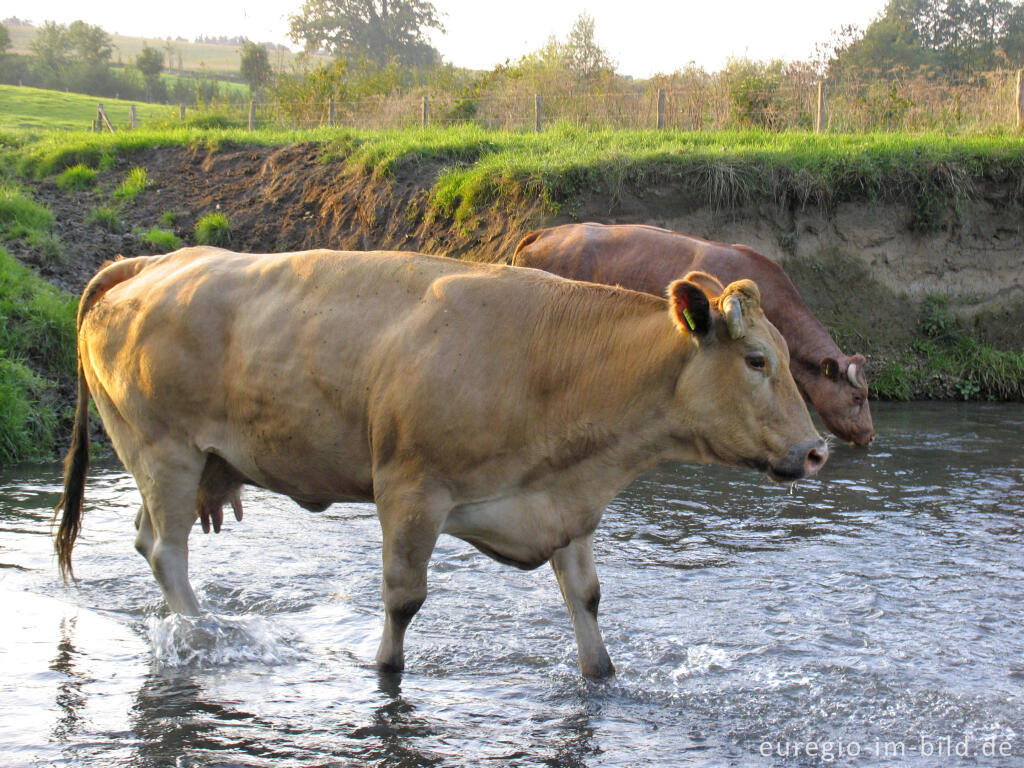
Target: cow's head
x=736, y=400
x=839, y=391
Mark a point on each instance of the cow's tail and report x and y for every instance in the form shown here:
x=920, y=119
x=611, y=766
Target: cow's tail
x=528, y=239
x=76, y=463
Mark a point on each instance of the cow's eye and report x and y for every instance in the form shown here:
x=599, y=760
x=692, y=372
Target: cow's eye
x=756, y=361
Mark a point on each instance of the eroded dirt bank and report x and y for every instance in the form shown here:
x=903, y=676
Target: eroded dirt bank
x=860, y=266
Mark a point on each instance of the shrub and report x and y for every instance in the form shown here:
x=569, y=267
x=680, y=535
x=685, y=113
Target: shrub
x=162, y=240
x=76, y=177
x=213, y=229
x=106, y=218
x=136, y=181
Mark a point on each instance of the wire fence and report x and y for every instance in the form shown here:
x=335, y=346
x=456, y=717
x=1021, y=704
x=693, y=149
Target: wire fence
x=993, y=102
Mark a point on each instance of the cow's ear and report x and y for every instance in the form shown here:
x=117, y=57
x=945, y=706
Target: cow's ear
x=690, y=307
x=829, y=368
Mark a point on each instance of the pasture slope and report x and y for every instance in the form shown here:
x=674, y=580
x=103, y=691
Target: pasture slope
x=934, y=307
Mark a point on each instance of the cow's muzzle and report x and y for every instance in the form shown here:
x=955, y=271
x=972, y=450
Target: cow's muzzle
x=801, y=460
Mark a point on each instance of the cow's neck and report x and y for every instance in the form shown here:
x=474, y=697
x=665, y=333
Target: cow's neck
x=606, y=398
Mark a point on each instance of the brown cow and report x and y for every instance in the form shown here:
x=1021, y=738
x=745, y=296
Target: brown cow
x=503, y=406
x=648, y=259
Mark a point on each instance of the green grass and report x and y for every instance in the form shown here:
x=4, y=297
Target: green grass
x=76, y=177
x=106, y=218
x=213, y=229
x=162, y=240
x=37, y=346
x=21, y=218
x=169, y=218
x=722, y=170
x=37, y=109
x=136, y=181
x=948, y=360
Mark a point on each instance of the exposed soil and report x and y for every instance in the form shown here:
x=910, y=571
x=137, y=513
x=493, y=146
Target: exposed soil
x=277, y=199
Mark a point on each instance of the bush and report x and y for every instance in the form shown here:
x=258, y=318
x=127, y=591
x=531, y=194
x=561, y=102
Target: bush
x=106, y=218
x=76, y=177
x=213, y=229
x=162, y=240
x=136, y=181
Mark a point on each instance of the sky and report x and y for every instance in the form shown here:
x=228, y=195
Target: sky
x=643, y=36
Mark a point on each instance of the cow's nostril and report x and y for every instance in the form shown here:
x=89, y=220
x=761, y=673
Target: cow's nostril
x=816, y=458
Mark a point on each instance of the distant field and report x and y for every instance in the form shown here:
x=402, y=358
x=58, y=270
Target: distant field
x=194, y=56
x=34, y=108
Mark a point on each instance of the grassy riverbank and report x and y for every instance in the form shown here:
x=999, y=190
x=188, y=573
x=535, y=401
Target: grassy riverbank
x=37, y=359
x=724, y=169
x=460, y=183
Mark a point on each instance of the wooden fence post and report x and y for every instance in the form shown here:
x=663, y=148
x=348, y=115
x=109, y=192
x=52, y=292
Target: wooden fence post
x=1020, y=99
x=252, y=115
x=101, y=118
x=426, y=111
x=537, y=113
x=330, y=112
x=819, y=123
x=661, y=109
x=181, y=112
x=132, y=121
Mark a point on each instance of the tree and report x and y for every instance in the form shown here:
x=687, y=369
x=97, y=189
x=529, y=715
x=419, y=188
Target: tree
x=5, y=40
x=150, y=63
x=89, y=45
x=583, y=56
x=375, y=30
x=255, y=67
x=889, y=45
x=51, y=50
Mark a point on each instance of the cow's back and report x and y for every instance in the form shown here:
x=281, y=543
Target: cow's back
x=247, y=356
x=640, y=257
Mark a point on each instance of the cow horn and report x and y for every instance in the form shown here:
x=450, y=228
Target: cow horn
x=851, y=374
x=734, y=317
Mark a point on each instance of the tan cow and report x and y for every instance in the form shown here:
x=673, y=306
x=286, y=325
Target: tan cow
x=648, y=259
x=503, y=406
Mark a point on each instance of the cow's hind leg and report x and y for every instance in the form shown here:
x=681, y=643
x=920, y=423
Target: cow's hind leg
x=144, y=533
x=169, y=490
x=410, y=525
x=577, y=578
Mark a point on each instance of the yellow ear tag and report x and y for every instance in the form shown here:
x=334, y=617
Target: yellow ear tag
x=689, y=319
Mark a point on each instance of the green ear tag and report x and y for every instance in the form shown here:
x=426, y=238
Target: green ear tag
x=689, y=319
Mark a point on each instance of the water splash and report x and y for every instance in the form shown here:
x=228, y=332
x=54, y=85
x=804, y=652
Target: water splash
x=210, y=640
x=700, y=660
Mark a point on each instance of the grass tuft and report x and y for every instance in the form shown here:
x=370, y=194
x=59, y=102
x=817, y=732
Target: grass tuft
x=213, y=229
x=136, y=181
x=106, y=218
x=162, y=240
x=77, y=177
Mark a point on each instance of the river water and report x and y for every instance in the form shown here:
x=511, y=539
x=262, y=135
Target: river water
x=871, y=616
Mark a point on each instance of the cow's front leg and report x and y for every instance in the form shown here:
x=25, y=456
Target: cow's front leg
x=577, y=578
x=410, y=532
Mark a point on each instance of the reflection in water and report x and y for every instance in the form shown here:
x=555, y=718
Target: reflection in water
x=173, y=716
x=877, y=602
x=392, y=735
x=70, y=700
